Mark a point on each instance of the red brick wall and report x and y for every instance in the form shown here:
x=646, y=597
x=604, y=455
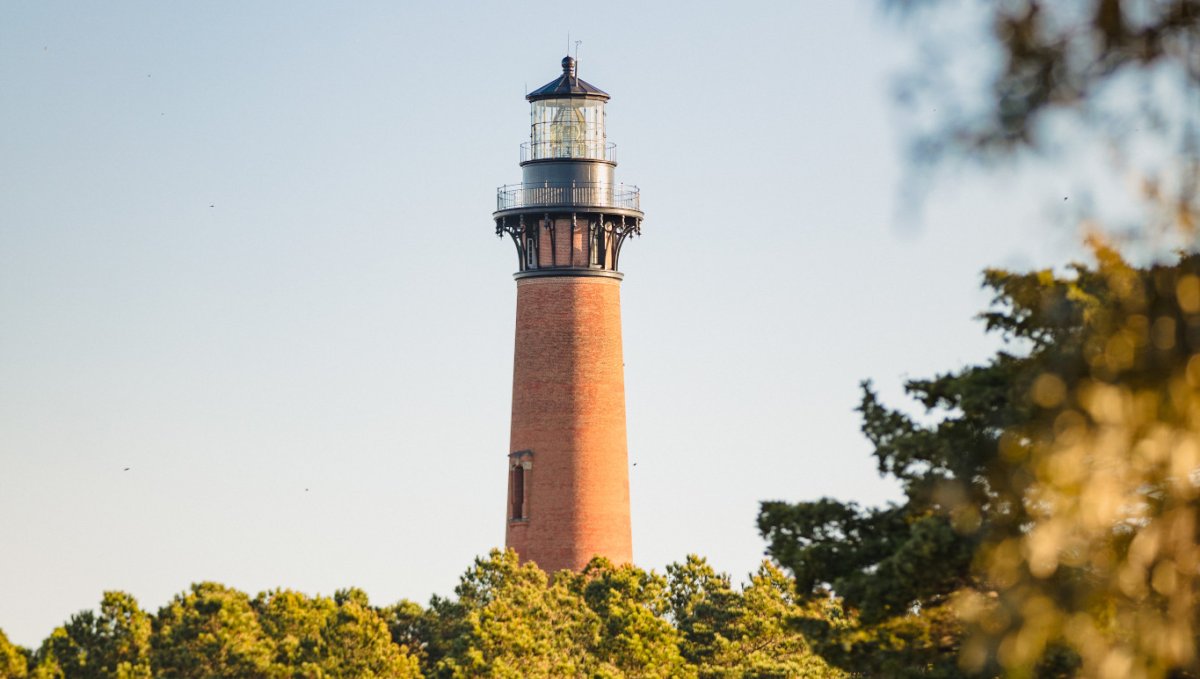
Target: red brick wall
x=570, y=248
x=545, y=252
x=569, y=409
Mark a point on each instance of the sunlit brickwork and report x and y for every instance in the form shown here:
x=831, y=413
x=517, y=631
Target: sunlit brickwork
x=569, y=412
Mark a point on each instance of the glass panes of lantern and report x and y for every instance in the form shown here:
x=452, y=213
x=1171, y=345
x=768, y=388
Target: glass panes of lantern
x=567, y=128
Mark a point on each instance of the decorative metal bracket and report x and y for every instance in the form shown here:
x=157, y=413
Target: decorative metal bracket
x=622, y=230
x=599, y=230
x=516, y=232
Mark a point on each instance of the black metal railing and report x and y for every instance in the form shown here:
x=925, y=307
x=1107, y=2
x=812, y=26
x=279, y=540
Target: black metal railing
x=549, y=150
x=583, y=194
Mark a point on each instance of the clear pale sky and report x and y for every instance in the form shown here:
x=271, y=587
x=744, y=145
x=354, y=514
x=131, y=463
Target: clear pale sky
x=246, y=251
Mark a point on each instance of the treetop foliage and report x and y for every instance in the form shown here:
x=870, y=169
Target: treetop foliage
x=506, y=620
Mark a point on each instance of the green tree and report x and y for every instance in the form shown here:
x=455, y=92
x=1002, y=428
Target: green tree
x=765, y=640
x=896, y=569
x=295, y=623
x=1049, y=521
x=746, y=634
x=360, y=644
x=704, y=608
x=635, y=638
x=331, y=637
x=510, y=620
x=210, y=631
x=112, y=645
x=14, y=661
x=408, y=624
x=513, y=620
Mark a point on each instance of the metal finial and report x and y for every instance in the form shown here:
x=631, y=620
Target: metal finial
x=568, y=65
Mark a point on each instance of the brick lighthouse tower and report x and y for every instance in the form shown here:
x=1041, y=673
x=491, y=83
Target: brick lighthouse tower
x=568, y=475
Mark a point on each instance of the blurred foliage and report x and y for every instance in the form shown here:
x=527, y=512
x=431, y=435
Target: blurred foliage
x=1049, y=526
x=1049, y=523
x=1125, y=74
x=1099, y=548
x=506, y=619
x=14, y=660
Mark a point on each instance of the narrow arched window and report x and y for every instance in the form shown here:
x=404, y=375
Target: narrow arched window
x=518, y=492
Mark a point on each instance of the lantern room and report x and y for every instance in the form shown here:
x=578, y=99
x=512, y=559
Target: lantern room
x=567, y=119
x=568, y=216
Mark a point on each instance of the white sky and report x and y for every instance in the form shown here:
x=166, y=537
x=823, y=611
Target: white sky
x=246, y=250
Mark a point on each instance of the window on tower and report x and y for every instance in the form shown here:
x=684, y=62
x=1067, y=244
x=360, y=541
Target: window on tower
x=520, y=465
x=597, y=246
x=518, y=493
x=531, y=257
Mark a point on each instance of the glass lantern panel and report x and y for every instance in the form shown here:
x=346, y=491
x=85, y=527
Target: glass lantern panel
x=567, y=128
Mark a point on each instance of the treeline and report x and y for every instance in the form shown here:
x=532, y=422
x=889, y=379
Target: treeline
x=505, y=620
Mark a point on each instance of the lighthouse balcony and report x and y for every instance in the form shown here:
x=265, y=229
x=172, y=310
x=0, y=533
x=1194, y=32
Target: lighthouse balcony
x=575, y=195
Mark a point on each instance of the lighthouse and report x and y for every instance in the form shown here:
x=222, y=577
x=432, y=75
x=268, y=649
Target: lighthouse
x=567, y=462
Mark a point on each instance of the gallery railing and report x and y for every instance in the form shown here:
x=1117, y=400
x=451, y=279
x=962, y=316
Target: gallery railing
x=581, y=194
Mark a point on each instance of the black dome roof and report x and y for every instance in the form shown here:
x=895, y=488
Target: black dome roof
x=567, y=85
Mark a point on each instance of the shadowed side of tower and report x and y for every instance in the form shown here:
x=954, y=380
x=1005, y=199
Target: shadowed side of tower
x=568, y=474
